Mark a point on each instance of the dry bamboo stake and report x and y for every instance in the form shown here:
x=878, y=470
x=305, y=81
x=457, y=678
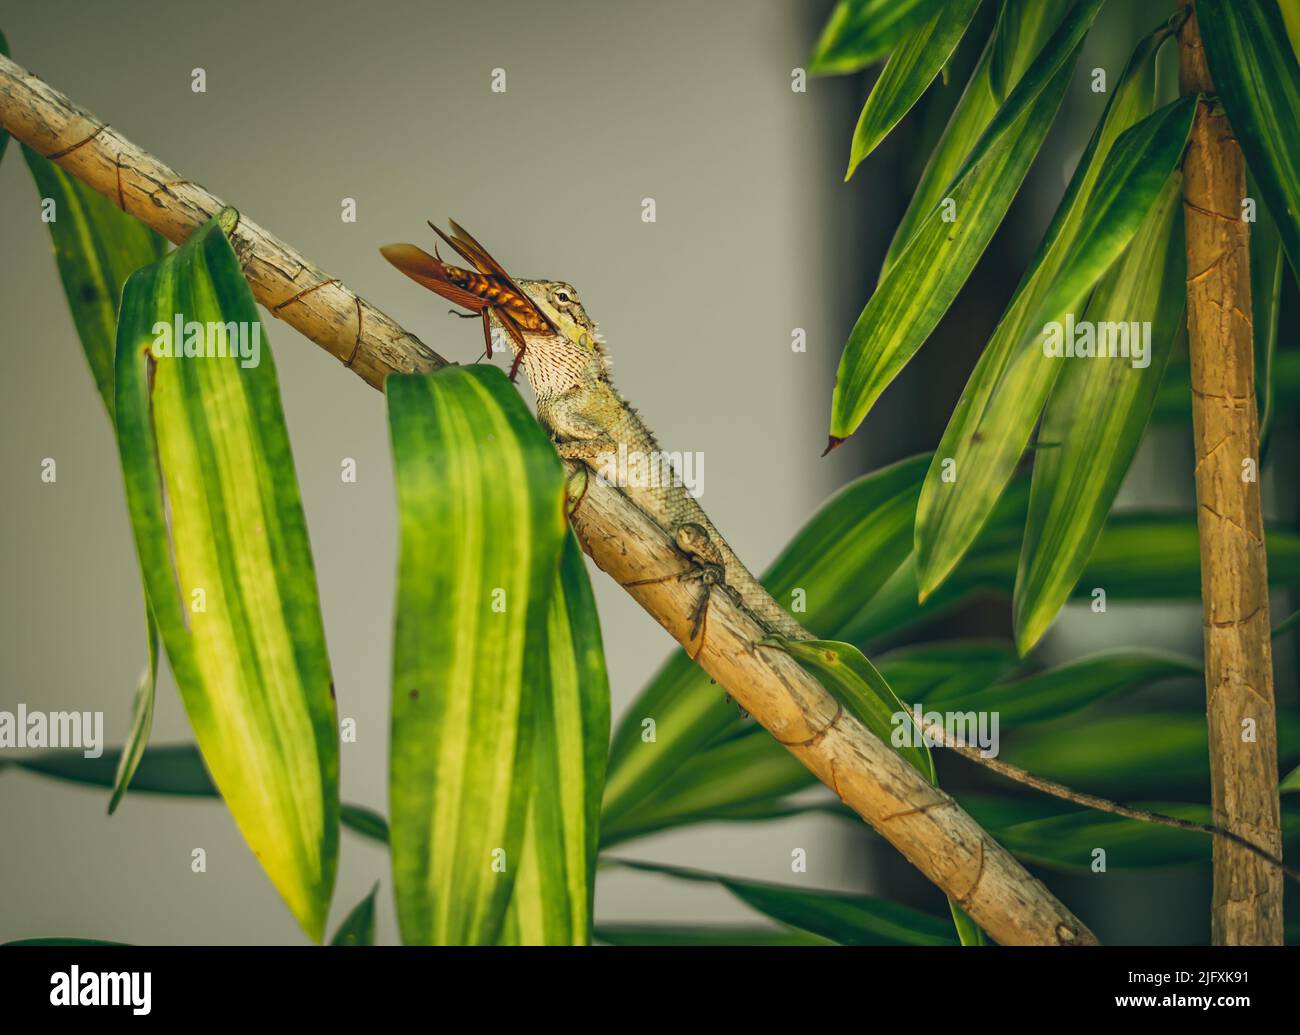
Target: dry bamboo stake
x=921, y=821
x=1247, y=903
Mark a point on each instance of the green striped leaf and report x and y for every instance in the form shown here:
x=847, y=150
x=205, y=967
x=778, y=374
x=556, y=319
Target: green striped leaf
x=173, y=769
x=480, y=492
x=668, y=934
x=358, y=927
x=842, y=918
x=1291, y=782
x=717, y=783
x=223, y=547
x=137, y=739
x=1068, y=841
x=366, y=822
x=1256, y=74
x=910, y=70
x=833, y=565
x=553, y=893
x=1286, y=625
x=1156, y=556
x=1020, y=29
x=62, y=941
x=858, y=685
x=1291, y=17
x=1140, y=556
x=1096, y=415
x=861, y=32
x=934, y=264
x=988, y=568
x=1133, y=756
x=96, y=248
x=1023, y=27
x=1069, y=688
x=1037, y=831
x=953, y=669
x=1118, y=180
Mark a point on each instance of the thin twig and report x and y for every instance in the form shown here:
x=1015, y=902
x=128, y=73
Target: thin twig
x=937, y=734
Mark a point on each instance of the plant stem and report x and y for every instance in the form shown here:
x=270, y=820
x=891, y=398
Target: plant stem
x=1247, y=903
x=927, y=826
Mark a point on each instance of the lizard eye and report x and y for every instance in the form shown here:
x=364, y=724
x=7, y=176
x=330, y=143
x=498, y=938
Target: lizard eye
x=563, y=297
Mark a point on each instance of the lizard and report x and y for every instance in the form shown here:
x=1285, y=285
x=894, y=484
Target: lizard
x=566, y=362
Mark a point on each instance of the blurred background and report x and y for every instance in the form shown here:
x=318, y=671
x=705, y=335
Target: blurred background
x=608, y=102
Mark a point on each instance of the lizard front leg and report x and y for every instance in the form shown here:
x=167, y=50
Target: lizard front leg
x=707, y=567
x=589, y=451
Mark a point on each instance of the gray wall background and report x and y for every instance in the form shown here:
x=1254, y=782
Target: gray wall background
x=388, y=102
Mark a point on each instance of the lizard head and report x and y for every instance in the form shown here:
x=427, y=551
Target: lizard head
x=558, y=302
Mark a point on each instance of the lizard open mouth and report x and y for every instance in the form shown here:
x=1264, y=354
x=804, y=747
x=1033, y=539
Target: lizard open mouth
x=487, y=290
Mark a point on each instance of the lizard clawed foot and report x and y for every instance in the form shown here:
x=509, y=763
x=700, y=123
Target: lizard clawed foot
x=708, y=575
x=700, y=617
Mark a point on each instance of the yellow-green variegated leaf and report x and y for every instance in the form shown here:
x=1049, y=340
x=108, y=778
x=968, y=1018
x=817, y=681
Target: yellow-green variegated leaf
x=722, y=781
x=1069, y=688
x=481, y=495
x=1118, y=180
x=1097, y=414
x=223, y=547
x=553, y=893
x=910, y=70
x=1257, y=76
x=861, y=32
x=858, y=685
x=137, y=739
x=949, y=668
x=828, y=571
x=1145, y=755
x=1069, y=840
x=1023, y=27
x=96, y=247
x=913, y=295
x=1151, y=555
x=1291, y=18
